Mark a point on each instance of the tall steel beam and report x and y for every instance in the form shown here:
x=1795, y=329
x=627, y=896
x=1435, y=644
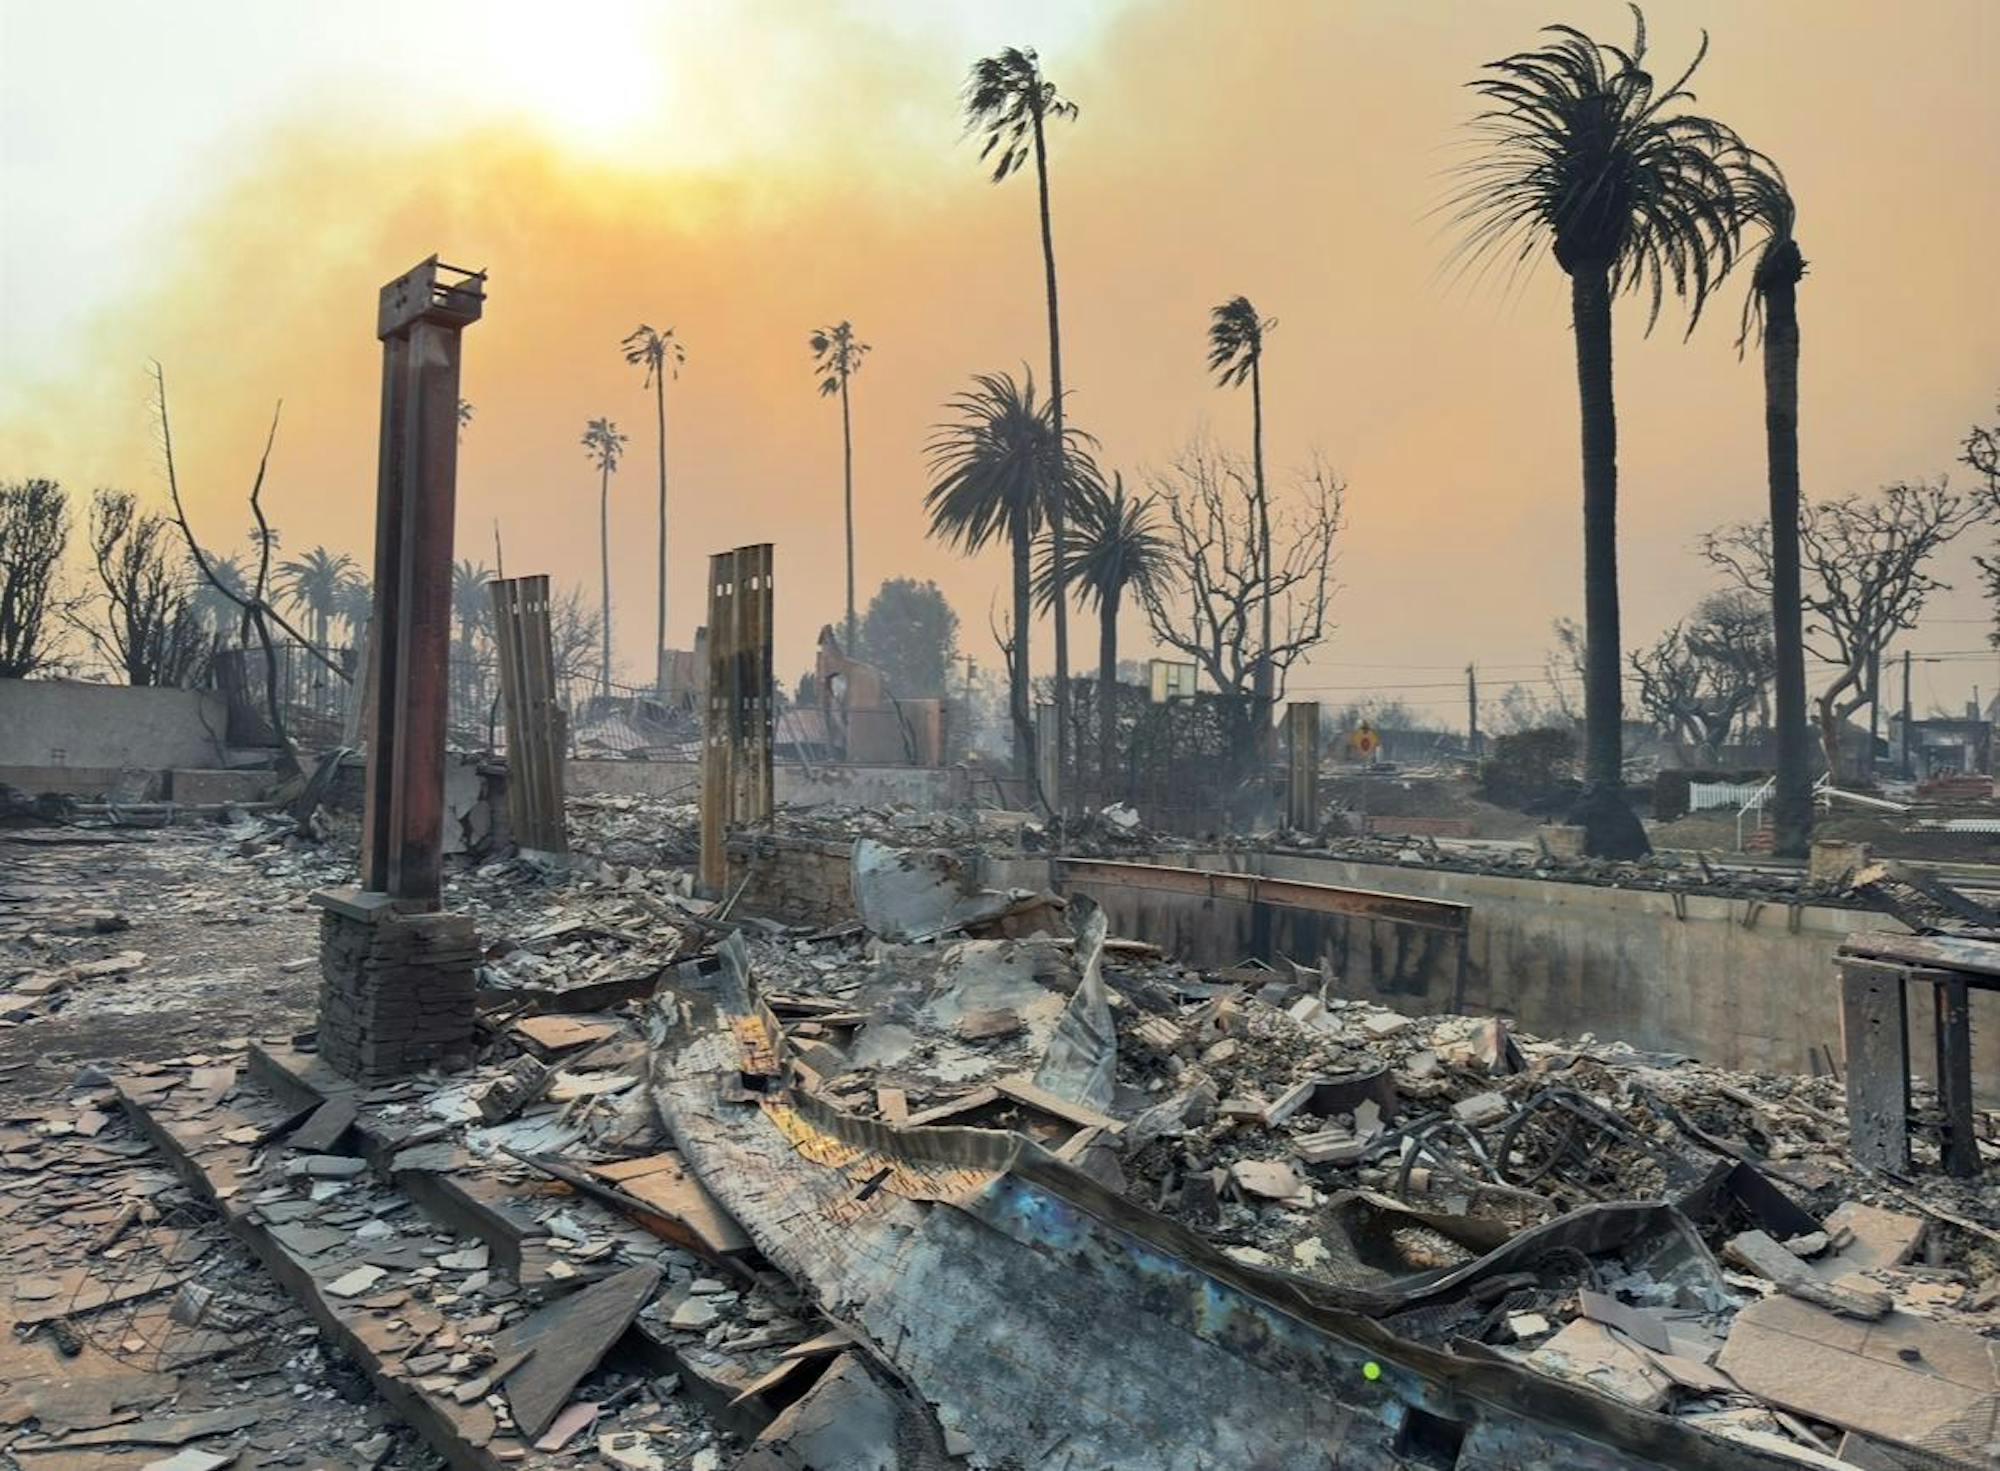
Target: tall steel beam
x=419, y=318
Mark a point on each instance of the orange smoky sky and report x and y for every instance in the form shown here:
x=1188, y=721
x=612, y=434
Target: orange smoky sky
x=776, y=167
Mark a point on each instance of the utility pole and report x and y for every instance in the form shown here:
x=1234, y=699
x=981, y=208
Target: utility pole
x=1908, y=771
x=1874, y=709
x=1472, y=710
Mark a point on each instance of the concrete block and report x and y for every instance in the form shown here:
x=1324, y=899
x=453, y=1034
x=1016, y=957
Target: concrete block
x=1832, y=862
x=1561, y=840
x=203, y=787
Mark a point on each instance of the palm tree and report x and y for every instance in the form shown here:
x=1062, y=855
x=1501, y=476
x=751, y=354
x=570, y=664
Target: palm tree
x=661, y=356
x=1119, y=548
x=465, y=413
x=1585, y=156
x=472, y=611
x=994, y=467
x=604, y=444
x=1008, y=100
x=355, y=606
x=1236, y=352
x=213, y=602
x=313, y=582
x=836, y=358
x=1770, y=313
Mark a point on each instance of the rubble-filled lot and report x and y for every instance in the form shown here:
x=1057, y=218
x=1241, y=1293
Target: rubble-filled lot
x=718, y=1192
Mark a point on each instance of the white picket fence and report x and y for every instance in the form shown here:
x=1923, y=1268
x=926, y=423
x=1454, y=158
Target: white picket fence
x=1703, y=795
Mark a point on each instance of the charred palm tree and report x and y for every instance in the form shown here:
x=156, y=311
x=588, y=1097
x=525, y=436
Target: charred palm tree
x=1009, y=102
x=1118, y=550
x=1584, y=155
x=1236, y=354
x=837, y=356
x=661, y=356
x=994, y=466
x=1771, y=315
x=604, y=445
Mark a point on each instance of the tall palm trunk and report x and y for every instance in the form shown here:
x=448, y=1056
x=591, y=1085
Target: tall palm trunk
x=660, y=621
x=604, y=563
x=1263, y=683
x=1791, y=805
x=1610, y=828
x=847, y=477
x=1021, y=539
x=1058, y=532
x=1107, y=692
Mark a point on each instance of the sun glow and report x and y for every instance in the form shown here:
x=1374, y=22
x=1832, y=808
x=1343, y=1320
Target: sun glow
x=594, y=76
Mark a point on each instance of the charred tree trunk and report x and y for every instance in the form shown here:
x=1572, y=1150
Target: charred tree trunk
x=1058, y=492
x=1611, y=830
x=1107, y=693
x=604, y=565
x=1791, y=804
x=847, y=479
x=1019, y=695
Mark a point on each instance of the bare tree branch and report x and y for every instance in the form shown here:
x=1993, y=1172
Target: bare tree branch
x=1208, y=501
x=1863, y=560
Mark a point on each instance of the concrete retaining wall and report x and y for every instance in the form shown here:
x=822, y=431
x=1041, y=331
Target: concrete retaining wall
x=926, y=788
x=59, y=735
x=1733, y=982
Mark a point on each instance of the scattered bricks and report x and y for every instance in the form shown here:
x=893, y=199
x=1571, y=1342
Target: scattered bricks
x=1384, y=1024
x=1289, y=1102
x=1367, y=1118
x=1480, y=1109
x=1307, y=1011
x=1156, y=1034
x=1421, y=1064
x=1272, y=1179
x=515, y=1090
x=1329, y=1147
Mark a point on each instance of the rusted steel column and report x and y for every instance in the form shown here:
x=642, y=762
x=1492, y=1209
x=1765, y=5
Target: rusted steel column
x=419, y=319
x=736, y=775
x=716, y=743
x=1302, y=786
x=534, y=719
x=1959, y=1145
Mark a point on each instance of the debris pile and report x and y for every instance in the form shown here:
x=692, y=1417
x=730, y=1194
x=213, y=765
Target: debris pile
x=974, y=1179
